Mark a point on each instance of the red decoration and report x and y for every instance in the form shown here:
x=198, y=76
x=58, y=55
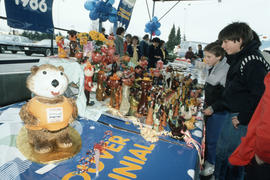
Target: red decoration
x=96, y=57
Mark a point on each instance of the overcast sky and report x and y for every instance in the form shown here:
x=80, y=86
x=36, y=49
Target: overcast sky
x=198, y=20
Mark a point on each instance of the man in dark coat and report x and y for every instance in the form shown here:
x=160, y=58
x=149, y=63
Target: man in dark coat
x=144, y=46
x=155, y=53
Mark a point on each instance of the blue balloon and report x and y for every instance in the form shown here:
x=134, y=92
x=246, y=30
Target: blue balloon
x=113, y=18
x=99, y=6
x=93, y=15
x=146, y=30
x=111, y=2
x=152, y=27
x=103, y=17
x=90, y=5
x=155, y=19
x=114, y=11
x=101, y=10
x=158, y=24
x=157, y=32
x=107, y=9
x=87, y=5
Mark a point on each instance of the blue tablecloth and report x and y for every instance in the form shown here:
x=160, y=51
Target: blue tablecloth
x=130, y=156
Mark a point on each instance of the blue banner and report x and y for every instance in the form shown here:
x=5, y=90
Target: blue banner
x=124, y=12
x=30, y=15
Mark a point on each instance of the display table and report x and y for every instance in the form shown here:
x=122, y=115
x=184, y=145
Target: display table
x=128, y=155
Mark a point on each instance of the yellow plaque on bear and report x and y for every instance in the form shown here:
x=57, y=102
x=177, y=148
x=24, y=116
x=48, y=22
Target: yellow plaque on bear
x=57, y=154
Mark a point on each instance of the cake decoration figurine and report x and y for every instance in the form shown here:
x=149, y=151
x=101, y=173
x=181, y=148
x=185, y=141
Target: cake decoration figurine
x=100, y=92
x=143, y=104
x=116, y=89
x=61, y=47
x=47, y=117
x=88, y=82
x=73, y=45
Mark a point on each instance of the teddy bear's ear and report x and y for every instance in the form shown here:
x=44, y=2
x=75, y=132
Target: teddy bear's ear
x=61, y=68
x=34, y=69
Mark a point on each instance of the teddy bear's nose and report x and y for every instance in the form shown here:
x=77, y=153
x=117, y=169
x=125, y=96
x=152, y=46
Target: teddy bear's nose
x=55, y=83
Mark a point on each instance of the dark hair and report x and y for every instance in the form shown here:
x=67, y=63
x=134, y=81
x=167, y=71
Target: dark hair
x=120, y=30
x=161, y=43
x=135, y=37
x=128, y=35
x=146, y=37
x=156, y=39
x=216, y=49
x=103, y=29
x=256, y=38
x=235, y=32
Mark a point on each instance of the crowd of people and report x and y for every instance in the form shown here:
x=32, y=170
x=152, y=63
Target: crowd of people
x=154, y=50
x=236, y=101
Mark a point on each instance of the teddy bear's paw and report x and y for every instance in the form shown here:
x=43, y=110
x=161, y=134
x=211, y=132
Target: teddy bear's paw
x=43, y=149
x=65, y=145
x=64, y=142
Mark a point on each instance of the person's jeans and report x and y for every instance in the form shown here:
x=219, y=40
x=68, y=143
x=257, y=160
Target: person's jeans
x=229, y=139
x=214, y=124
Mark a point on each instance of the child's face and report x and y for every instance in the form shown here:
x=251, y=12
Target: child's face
x=211, y=59
x=231, y=47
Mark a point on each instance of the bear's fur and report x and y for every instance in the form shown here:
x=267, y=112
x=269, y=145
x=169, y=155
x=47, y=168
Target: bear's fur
x=48, y=83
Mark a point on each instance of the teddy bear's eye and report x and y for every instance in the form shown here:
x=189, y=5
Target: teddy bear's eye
x=61, y=73
x=44, y=72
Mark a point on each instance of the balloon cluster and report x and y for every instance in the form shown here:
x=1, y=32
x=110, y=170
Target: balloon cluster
x=101, y=10
x=152, y=27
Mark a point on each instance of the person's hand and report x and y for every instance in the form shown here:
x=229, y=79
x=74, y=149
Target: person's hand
x=208, y=111
x=235, y=121
x=258, y=160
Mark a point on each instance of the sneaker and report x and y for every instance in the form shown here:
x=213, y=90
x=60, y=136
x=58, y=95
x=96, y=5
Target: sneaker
x=208, y=169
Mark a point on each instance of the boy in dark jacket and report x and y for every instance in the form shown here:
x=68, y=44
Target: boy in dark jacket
x=243, y=90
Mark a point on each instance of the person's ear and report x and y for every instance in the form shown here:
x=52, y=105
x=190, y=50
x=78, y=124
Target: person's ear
x=218, y=57
x=240, y=40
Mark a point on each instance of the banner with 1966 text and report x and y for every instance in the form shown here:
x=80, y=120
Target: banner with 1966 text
x=30, y=15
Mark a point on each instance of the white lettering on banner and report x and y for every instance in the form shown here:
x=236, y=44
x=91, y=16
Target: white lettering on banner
x=34, y=4
x=42, y=6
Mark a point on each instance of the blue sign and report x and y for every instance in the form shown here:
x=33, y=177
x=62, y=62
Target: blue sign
x=124, y=12
x=30, y=15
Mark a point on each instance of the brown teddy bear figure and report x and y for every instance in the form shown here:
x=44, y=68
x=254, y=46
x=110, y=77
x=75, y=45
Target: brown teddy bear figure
x=47, y=115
